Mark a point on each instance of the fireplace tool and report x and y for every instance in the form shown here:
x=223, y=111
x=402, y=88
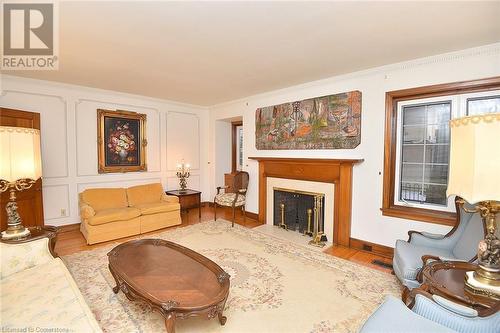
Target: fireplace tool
x=319, y=238
x=282, y=224
x=309, y=232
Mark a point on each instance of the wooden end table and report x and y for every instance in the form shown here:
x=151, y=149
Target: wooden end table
x=447, y=279
x=36, y=233
x=188, y=199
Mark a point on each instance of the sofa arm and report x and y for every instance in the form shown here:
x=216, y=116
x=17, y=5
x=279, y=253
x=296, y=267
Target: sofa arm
x=86, y=211
x=170, y=198
x=18, y=257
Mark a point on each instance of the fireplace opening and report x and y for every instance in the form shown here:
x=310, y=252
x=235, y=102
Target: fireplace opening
x=300, y=211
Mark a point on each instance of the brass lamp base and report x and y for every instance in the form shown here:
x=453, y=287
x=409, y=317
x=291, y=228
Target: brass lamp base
x=478, y=285
x=15, y=233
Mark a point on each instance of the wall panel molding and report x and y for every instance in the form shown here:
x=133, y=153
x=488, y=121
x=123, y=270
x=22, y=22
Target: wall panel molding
x=198, y=131
x=64, y=102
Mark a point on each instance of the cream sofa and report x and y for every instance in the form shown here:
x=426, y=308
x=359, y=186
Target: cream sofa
x=111, y=213
x=38, y=293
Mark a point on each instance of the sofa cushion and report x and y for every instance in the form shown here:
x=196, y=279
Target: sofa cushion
x=157, y=207
x=44, y=297
x=408, y=257
x=113, y=214
x=143, y=194
x=105, y=198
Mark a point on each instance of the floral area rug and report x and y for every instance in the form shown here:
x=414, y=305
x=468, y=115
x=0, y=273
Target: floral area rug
x=276, y=286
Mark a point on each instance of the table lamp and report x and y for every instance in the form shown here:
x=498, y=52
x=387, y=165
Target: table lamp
x=475, y=176
x=20, y=167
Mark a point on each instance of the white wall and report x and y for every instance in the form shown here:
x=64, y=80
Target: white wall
x=223, y=150
x=69, y=140
x=367, y=220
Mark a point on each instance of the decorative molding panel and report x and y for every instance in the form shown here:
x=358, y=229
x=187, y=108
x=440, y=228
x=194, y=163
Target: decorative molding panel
x=90, y=151
x=56, y=201
x=50, y=139
x=183, y=139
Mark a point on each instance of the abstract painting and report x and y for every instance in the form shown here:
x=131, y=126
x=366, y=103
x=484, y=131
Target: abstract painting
x=328, y=122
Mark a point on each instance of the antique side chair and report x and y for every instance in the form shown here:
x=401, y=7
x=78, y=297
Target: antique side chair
x=236, y=199
x=460, y=244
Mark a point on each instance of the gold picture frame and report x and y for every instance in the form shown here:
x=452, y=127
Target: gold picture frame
x=121, y=141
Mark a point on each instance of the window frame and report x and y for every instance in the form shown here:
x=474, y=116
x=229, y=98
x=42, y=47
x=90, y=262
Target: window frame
x=453, y=101
x=389, y=207
x=234, y=144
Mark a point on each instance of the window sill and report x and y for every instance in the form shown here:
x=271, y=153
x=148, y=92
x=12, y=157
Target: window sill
x=421, y=215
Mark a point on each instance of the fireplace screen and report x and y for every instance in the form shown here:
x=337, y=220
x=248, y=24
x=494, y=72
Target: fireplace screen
x=300, y=211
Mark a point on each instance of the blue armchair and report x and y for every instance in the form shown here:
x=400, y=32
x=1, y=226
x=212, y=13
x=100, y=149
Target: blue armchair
x=429, y=314
x=460, y=244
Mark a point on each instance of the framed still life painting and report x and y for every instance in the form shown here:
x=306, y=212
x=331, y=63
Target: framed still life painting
x=121, y=142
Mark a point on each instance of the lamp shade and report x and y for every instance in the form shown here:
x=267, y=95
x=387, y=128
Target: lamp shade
x=475, y=158
x=20, y=155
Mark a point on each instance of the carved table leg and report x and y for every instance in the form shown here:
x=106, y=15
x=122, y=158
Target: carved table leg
x=117, y=287
x=222, y=319
x=170, y=322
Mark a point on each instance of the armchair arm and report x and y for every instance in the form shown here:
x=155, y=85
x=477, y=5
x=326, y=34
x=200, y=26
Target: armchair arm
x=221, y=188
x=169, y=198
x=86, y=211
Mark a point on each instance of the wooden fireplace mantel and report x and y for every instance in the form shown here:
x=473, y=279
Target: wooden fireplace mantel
x=335, y=171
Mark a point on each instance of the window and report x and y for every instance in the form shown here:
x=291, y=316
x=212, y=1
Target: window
x=417, y=145
x=237, y=146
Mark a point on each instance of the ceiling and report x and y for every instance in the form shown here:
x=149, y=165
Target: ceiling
x=206, y=53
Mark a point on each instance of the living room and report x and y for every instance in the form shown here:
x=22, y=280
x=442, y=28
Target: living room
x=225, y=166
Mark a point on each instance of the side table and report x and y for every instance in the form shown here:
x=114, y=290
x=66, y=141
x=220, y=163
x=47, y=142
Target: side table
x=188, y=199
x=447, y=279
x=36, y=233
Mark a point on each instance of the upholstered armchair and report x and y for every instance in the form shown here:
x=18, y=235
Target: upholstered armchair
x=460, y=244
x=430, y=313
x=235, y=199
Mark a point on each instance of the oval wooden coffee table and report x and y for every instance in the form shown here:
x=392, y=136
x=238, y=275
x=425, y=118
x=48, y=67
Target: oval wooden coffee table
x=172, y=279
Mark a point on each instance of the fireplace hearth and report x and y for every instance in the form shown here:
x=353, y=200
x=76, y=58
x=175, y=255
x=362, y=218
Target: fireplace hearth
x=300, y=211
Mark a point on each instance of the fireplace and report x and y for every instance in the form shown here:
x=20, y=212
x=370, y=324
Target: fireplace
x=336, y=174
x=299, y=211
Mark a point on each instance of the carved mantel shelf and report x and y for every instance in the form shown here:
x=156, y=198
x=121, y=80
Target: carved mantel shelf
x=335, y=171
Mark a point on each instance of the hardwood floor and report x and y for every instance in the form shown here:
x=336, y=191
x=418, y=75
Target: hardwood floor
x=70, y=239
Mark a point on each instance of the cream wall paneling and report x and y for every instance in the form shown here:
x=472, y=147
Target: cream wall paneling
x=86, y=134
x=117, y=183
x=183, y=139
x=193, y=182
x=53, y=111
x=56, y=202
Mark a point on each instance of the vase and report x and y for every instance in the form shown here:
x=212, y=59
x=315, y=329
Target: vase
x=123, y=154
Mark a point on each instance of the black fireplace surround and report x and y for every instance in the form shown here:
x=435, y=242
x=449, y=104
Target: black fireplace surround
x=296, y=205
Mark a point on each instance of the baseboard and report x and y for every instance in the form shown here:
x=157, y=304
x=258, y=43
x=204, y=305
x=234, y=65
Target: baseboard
x=69, y=227
x=381, y=250
x=252, y=216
